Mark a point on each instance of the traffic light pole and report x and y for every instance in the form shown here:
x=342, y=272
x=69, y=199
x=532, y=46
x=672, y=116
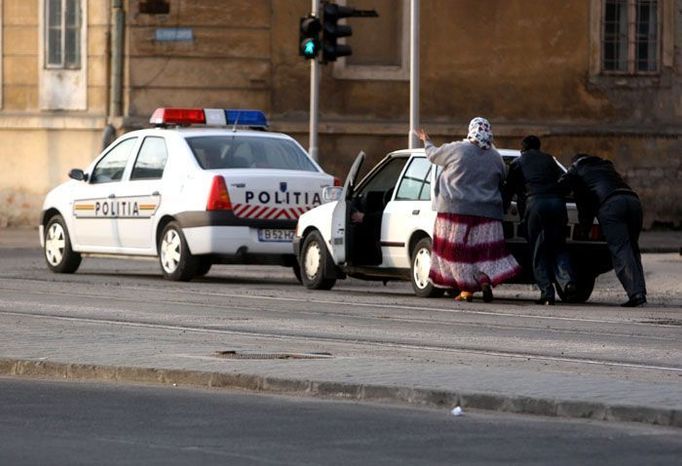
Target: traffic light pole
x=314, y=95
x=414, y=74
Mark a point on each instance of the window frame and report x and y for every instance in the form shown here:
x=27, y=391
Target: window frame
x=137, y=159
x=665, y=46
x=631, y=64
x=63, y=29
x=134, y=140
x=423, y=182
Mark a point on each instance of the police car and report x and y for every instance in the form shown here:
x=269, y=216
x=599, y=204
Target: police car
x=203, y=186
x=393, y=241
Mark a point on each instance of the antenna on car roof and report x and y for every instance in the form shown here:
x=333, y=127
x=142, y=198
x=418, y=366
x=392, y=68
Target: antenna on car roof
x=236, y=121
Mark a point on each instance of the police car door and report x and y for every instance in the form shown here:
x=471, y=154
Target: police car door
x=94, y=201
x=139, y=196
x=341, y=214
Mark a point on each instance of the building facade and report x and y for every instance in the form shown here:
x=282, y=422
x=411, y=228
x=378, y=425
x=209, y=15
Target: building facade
x=597, y=76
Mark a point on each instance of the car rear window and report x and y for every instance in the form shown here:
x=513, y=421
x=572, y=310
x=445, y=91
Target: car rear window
x=217, y=152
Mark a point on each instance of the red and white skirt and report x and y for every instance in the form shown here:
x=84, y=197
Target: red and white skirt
x=469, y=251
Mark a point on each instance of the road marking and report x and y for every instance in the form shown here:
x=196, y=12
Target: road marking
x=366, y=305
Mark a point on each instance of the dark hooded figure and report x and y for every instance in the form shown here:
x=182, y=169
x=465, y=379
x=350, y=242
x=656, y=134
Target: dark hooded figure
x=534, y=179
x=600, y=191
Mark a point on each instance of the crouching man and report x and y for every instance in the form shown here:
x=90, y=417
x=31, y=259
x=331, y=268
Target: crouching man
x=600, y=191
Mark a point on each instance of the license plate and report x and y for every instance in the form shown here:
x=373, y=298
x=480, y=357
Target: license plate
x=269, y=234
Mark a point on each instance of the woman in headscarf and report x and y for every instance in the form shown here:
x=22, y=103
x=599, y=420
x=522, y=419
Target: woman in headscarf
x=469, y=252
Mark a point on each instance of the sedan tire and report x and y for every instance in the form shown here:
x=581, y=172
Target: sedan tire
x=177, y=262
x=315, y=261
x=59, y=256
x=419, y=272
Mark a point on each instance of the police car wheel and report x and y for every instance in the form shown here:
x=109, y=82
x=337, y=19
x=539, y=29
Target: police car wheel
x=421, y=264
x=59, y=256
x=203, y=267
x=314, y=261
x=177, y=263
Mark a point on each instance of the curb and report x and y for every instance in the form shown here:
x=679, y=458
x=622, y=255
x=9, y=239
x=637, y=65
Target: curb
x=347, y=391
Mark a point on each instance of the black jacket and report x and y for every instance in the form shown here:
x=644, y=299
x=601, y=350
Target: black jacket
x=534, y=173
x=593, y=180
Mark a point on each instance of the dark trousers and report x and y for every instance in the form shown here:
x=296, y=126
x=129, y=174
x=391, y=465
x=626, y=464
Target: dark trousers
x=546, y=220
x=620, y=217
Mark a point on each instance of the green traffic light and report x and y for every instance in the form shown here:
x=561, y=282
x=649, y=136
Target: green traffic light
x=309, y=48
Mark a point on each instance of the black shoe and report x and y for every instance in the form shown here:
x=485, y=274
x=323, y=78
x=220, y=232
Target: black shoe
x=635, y=301
x=487, y=292
x=545, y=301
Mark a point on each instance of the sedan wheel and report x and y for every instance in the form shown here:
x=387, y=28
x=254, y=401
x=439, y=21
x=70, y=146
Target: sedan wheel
x=177, y=263
x=421, y=265
x=59, y=256
x=315, y=261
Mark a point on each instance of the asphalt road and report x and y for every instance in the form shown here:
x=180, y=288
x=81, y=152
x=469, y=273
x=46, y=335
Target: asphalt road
x=239, y=320
x=60, y=423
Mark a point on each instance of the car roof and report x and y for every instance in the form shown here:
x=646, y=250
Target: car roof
x=420, y=151
x=210, y=131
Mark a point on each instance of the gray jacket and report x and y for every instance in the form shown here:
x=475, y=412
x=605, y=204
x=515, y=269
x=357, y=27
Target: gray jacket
x=471, y=180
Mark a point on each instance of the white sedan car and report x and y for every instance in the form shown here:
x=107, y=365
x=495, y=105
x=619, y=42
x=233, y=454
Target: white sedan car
x=393, y=241
x=195, y=190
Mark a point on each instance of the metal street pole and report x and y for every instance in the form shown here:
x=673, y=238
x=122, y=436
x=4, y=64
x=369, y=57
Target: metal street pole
x=314, y=95
x=414, y=74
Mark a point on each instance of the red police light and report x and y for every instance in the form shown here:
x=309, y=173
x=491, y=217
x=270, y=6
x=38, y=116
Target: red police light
x=178, y=116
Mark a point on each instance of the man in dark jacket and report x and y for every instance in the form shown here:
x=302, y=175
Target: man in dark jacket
x=534, y=177
x=600, y=191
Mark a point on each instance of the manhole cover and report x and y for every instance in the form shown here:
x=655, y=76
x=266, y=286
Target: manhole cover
x=231, y=354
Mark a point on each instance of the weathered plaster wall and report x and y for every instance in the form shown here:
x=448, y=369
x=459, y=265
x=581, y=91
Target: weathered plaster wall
x=33, y=162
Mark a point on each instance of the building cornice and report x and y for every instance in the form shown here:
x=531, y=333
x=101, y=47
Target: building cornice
x=51, y=121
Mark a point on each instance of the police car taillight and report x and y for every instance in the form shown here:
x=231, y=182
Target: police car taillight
x=218, y=197
x=178, y=116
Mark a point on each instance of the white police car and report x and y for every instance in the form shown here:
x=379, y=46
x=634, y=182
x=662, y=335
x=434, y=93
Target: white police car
x=195, y=190
x=393, y=241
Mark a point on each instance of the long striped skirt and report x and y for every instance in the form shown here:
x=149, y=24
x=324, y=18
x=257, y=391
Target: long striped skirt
x=469, y=251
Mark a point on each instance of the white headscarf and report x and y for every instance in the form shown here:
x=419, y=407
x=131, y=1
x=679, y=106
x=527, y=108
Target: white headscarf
x=480, y=133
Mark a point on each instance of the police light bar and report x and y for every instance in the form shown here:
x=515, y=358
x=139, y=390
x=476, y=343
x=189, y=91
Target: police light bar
x=208, y=117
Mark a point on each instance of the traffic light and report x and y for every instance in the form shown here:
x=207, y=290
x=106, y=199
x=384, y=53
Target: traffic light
x=331, y=30
x=309, y=37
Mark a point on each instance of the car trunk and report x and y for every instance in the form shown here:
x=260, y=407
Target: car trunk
x=274, y=194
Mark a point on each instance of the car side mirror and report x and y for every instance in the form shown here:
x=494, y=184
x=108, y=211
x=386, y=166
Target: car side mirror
x=78, y=175
x=331, y=193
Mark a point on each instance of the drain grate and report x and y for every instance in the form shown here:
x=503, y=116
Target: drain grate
x=232, y=354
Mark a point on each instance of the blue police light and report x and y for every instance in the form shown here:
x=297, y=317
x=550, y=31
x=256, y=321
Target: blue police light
x=251, y=118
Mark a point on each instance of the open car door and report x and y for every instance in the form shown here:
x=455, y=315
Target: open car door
x=341, y=214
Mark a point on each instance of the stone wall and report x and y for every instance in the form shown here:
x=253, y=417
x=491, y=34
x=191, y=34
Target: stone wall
x=529, y=70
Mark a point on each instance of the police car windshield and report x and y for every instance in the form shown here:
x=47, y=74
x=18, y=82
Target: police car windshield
x=229, y=151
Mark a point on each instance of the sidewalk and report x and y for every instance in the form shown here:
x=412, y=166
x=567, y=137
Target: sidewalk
x=649, y=242
x=69, y=349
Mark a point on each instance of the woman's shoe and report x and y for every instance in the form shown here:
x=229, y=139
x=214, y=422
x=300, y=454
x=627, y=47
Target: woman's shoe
x=487, y=292
x=465, y=296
